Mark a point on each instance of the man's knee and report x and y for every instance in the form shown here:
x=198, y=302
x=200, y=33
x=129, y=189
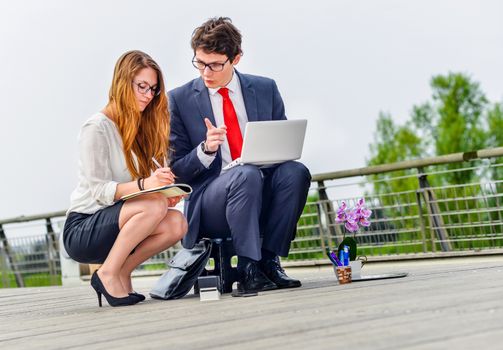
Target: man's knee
x=295, y=173
x=247, y=176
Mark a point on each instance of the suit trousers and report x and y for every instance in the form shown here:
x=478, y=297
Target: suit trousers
x=258, y=208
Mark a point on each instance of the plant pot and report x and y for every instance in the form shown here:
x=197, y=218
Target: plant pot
x=343, y=274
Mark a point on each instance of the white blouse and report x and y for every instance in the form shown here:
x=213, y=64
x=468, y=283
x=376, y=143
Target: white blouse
x=102, y=165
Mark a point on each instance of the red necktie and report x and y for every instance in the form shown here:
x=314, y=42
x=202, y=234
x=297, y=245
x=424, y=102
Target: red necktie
x=234, y=136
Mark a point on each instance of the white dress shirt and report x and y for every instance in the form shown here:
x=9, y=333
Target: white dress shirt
x=236, y=96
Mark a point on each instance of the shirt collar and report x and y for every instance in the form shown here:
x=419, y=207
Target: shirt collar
x=233, y=85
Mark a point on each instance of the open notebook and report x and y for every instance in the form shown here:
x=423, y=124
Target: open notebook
x=168, y=190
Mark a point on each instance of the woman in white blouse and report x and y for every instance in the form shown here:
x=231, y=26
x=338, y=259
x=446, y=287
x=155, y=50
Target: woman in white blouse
x=117, y=150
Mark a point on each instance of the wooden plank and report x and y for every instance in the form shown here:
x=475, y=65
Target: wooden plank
x=442, y=304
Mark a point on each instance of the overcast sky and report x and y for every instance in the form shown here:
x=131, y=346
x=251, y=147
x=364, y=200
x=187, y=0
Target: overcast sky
x=336, y=63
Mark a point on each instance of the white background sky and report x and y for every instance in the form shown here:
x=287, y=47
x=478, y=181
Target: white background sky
x=337, y=63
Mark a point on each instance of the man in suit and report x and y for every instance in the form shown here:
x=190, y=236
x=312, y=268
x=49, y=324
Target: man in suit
x=258, y=207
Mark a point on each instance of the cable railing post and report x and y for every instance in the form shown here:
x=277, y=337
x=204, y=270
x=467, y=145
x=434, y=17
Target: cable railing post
x=332, y=231
x=321, y=227
x=4, y=271
x=421, y=220
x=10, y=260
x=437, y=223
x=50, y=232
x=325, y=217
x=3, y=268
x=52, y=250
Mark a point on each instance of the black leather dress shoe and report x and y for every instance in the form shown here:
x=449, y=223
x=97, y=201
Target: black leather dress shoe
x=273, y=270
x=251, y=280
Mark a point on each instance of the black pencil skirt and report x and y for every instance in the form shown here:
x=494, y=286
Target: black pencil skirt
x=88, y=238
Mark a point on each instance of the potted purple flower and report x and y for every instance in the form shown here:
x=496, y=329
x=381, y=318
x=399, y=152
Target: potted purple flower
x=352, y=219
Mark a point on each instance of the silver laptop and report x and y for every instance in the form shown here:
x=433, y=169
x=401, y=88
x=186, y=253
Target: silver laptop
x=271, y=142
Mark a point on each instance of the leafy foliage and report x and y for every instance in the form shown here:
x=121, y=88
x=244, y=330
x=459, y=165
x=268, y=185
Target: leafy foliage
x=458, y=118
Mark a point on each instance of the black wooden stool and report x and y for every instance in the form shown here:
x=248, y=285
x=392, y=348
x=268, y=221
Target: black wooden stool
x=222, y=251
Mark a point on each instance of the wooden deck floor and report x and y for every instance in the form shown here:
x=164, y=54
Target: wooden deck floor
x=443, y=304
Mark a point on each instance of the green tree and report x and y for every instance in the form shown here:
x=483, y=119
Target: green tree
x=394, y=144
x=495, y=121
x=453, y=121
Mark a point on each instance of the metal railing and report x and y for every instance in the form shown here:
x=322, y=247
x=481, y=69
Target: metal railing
x=31, y=260
x=428, y=217
x=421, y=220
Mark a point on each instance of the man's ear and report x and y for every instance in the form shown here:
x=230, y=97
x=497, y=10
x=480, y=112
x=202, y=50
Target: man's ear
x=236, y=60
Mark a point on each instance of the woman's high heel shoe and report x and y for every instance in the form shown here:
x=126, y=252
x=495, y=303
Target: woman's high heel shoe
x=112, y=301
x=138, y=296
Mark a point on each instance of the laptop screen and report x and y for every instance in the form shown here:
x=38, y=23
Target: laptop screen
x=275, y=141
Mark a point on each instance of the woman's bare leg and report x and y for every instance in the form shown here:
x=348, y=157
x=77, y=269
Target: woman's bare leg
x=170, y=230
x=138, y=219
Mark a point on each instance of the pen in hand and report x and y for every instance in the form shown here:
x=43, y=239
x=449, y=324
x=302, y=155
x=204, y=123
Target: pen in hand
x=159, y=166
x=166, y=170
x=156, y=163
x=174, y=200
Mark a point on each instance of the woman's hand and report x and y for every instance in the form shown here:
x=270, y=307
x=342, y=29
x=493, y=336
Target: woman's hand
x=173, y=201
x=160, y=177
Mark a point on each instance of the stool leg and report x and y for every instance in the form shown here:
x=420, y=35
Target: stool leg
x=221, y=269
x=222, y=251
x=196, y=288
x=229, y=273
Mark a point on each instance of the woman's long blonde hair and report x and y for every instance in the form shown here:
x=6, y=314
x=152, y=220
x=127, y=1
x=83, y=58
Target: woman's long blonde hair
x=146, y=134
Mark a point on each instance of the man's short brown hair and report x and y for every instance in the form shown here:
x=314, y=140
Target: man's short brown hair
x=217, y=35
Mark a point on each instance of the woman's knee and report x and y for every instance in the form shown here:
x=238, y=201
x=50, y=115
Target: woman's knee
x=156, y=206
x=175, y=224
x=180, y=225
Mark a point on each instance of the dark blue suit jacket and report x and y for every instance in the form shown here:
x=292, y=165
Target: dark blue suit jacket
x=189, y=105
